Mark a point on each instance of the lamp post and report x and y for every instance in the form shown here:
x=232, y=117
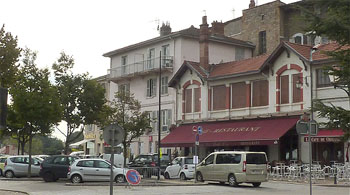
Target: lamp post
x=159, y=110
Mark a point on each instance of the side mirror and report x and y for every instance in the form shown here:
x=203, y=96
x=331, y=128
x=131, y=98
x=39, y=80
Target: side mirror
x=169, y=164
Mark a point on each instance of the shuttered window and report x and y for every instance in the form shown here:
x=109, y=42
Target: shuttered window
x=219, y=97
x=296, y=91
x=197, y=102
x=285, y=89
x=188, y=100
x=260, y=93
x=239, y=95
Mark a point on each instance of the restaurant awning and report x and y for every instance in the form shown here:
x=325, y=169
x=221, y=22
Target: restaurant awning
x=77, y=144
x=326, y=135
x=230, y=133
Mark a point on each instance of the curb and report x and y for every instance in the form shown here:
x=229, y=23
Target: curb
x=314, y=184
x=141, y=184
x=15, y=191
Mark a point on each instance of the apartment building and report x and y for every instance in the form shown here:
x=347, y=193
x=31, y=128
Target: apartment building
x=136, y=68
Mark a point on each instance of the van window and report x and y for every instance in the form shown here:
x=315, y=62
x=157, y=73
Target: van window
x=228, y=158
x=256, y=158
x=210, y=160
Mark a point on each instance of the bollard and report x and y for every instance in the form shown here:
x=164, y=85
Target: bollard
x=335, y=176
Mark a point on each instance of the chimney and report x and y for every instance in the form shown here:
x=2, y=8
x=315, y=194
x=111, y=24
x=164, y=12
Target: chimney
x=251, y=4
x=217, y=28
x=165, y=29
x=203, y=44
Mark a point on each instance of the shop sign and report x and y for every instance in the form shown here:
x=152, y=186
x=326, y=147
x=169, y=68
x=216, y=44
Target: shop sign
x=236, y=129
x=249, y=143
x=89, y=136
x=90, y=145
x=322, y=139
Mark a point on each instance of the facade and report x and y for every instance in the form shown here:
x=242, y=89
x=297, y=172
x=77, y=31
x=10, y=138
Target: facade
x=268, y=24
x=254, y=104
x=135, y=68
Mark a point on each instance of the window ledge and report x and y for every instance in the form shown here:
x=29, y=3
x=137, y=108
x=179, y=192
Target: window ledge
x=218, y=111
x=259, y=107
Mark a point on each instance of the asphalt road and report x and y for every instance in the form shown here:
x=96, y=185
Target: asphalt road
x=268, y=188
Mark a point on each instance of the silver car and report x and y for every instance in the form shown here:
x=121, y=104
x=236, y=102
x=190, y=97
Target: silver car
x=94, y=170
x=17, y=166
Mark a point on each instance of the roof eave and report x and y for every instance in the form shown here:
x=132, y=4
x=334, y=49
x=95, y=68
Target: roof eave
x=234, y=75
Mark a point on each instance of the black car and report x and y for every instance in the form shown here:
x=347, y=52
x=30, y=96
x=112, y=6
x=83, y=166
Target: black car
x=147, y=164
x=55, y=167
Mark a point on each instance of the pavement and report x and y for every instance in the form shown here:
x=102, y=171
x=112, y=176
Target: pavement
x=329, y=182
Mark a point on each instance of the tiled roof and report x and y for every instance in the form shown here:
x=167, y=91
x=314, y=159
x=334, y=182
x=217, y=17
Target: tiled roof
x=198, y=68
x=319, y=54
x=238, y=67
x=191, y=32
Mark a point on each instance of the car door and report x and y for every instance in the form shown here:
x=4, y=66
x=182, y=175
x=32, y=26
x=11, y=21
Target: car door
x=103, y=170
x=175, y=167
x=20, y=166
x=207, y=167
x=60, y=166
x=88, y=170
x=35, y=168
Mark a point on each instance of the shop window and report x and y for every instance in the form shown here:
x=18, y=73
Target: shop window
x=239, y=95
x=260, y=93
x=219, y=97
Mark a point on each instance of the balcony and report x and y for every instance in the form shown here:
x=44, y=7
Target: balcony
x=141, y=68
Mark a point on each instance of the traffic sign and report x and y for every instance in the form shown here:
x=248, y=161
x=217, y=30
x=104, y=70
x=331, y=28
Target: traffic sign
x=194, y=128
x=200, y=130
x=133, y=177
x=118, y=134
x=303, y=127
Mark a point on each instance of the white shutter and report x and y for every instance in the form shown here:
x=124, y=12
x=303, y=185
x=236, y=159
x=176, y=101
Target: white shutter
x=154, y=87
x=148, y=91
x=169, y=118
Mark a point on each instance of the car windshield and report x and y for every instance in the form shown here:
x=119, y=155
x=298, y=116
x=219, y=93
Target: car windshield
x=143, y=158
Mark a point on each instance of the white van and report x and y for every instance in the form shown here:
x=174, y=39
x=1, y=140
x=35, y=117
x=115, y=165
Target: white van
x=118, y=159
x=234, y=167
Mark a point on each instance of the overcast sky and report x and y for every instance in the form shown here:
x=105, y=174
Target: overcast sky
x=88, y=28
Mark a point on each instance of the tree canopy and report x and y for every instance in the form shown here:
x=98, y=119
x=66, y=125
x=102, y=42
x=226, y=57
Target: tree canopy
x=335, y=24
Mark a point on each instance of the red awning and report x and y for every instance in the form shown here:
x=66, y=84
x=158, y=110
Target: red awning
x=229, y=133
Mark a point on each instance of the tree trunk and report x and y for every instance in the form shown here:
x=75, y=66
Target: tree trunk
x=18, y=145
x=23, y=144
x=66, y=145
x=124, y=152
x=30, y=155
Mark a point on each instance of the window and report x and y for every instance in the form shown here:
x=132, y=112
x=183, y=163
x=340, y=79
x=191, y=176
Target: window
x=61, y=160
x=239, y=95
x=297, y=78
x=228, y=158
x=219, y=97
x=151, y=87
x=239, y=53
x=285, y=89
x=210, y=160
x=197, y=102
x=322, y=78
x=86, y=163
x=188, y=100
x=260, y=93
x=150, y=147
x=150, y=58
x=164, y=87
x=165, y=119
x=124, y=63
x=165, y=57
x=124, y=88
x=102, y=164
x=256, y=158
x=262, y=42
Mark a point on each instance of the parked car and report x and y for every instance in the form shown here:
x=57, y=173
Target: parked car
x=2, y=164
x=149, y=163
x=180, y=167
x=234, y=167
x=94, y=170
x=118, y=159
x=17, y=166
x=55, y=167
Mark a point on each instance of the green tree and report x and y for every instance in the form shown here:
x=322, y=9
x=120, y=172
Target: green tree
x=35, y=100
x=9, y=55
x=335, y=24
x=51, y=145
x=125, y=110
x=82, y=98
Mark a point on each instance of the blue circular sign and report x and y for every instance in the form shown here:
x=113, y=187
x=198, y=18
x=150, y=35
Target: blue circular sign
x=133, y=177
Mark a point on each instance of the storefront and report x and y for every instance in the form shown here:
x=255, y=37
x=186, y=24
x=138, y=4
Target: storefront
x=328, y=147
x=275, y=136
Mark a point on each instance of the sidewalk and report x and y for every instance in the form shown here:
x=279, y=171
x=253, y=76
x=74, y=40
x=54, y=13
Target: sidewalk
x=328, y=182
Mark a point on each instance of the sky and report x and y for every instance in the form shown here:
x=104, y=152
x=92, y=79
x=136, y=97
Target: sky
x=86, y=29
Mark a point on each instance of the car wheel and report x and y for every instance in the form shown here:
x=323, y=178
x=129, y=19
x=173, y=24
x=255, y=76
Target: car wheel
x=48, y=177
x=183, y=176
x=166, y=175
x=199, y=177
x=232, y=180
x=256, y=184
x=120, y=179
x=76, y=179
x=9, y=174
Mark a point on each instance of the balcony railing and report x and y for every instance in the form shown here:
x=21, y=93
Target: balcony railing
x=142, y=67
